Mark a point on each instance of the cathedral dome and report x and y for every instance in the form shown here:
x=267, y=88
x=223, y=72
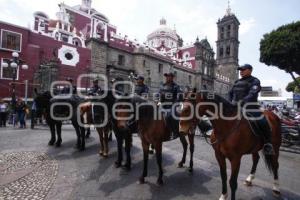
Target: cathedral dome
x=163, y=35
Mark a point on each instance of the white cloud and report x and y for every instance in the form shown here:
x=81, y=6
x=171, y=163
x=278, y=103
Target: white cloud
x=247, y=25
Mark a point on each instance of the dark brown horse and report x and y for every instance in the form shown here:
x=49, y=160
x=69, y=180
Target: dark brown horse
x=232, y=138
x=152, y=129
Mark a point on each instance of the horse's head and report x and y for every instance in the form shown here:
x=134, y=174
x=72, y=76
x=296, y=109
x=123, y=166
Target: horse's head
x=192, y=109
x=123, y=115
x=42, y=100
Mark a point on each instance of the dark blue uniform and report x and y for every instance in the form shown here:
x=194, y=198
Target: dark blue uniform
x=66, y=90
x=141, y=89
x=245, y=90
x=169, y=93
x=95, y=90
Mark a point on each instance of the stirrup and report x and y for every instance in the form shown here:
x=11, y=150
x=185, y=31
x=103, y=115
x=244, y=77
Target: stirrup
x=268, y=149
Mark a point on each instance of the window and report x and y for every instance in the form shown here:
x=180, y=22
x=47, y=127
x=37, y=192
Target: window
x=221, y=52
x=11, y=40
x=121, y=60
x=64, y=38
x=190, y=79
x=222, y=33
x=160, y=67
x=7, y=72
x=144, y=63
x=228, y=50
x=228, y=31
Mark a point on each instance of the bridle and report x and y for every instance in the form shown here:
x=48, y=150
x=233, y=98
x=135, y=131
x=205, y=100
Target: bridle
x=195, y=120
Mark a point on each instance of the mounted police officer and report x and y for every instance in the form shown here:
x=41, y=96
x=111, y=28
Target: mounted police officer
x=140, y=87
x=67, y=88
x=245, y=91
x=169, y=94
x=95, y=89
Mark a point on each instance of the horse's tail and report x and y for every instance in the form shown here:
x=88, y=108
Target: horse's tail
x=268, y=158
x=275, y=122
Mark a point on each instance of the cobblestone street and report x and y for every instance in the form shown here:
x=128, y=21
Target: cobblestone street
x=29, y=169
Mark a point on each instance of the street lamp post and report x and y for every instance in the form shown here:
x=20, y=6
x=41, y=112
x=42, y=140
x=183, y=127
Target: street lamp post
x=13, y=64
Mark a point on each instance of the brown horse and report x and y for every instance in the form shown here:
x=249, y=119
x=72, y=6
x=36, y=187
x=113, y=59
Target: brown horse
x=103, y=132
x=232, y=138
x=152, y=129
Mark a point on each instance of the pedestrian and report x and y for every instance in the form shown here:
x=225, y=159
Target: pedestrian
x=3, y=113
x=21, y=112
x=33, y=114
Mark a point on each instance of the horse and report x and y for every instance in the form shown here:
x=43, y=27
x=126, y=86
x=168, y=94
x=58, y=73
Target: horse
x=96, y=115
x=87, y=113
x=152, y=129
x=44, y=102
x=232, y=138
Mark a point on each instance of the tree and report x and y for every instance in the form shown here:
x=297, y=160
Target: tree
x=292, y=86
x=281, y=48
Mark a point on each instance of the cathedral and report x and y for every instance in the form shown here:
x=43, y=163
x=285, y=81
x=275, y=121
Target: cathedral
x=82, y=40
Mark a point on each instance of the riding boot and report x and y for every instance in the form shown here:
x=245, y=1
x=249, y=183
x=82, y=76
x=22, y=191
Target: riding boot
x=266, y=133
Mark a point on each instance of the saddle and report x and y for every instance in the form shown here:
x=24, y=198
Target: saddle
x=256, y=126
x=172, y=125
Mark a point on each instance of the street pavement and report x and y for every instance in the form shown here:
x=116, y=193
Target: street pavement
x=30, y=169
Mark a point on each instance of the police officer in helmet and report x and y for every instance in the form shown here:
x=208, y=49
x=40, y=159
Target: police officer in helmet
x=169, y=94
x=95, y=89
x=140, y=87
x=245, y=90
x=67, y=89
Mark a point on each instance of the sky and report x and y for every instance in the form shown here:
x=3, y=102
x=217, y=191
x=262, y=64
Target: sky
x=191, y=18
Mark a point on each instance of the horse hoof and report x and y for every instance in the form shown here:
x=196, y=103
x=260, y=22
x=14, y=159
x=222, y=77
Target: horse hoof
x=223, y=197
x=248, y=183
x=180, y=165
x=105, y=155
x=87, y=136
x=118, y=164
x=159, y=182
x=142, y=180
x=127, y=167
x=51, y=143
x=190, y=169
x=151, y=152
x=100, y=153
x=276, y=193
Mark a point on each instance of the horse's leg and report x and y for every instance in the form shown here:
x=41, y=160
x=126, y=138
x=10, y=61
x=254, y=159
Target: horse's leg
x=82, y=134
x=105, y=142
x=255, y=159
x=275, y=166
x=158, y=150
x=222, y=164
x=53, y=136
x=119, y=138
x=184, y=145
x=191, y=141
x=128, y=143
x=58, y=131
x=76, y=127
x=88, y=132
x=100, y=133
x=235, y=168
x=145, y=146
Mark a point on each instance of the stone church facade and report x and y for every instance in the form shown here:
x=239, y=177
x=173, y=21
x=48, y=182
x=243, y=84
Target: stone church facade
x=82, y=40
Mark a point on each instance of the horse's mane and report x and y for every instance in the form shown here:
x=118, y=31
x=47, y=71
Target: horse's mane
x=228, y=108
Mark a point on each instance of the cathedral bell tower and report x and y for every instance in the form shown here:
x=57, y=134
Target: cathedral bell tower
x=86, y=4
x=228, y=45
